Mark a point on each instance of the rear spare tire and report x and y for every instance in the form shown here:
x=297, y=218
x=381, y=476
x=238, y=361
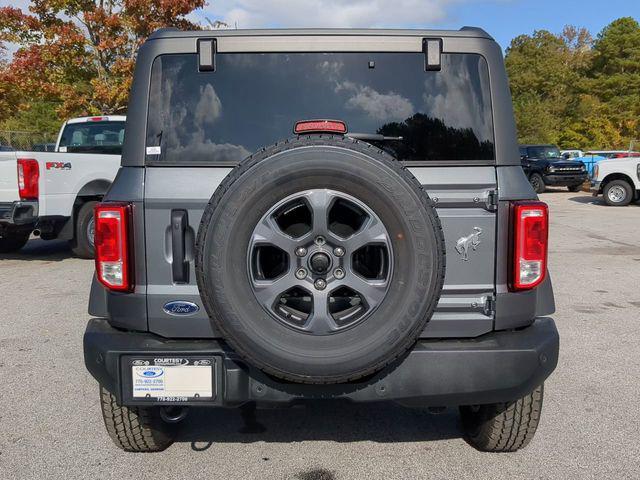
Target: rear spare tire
x=320, y=259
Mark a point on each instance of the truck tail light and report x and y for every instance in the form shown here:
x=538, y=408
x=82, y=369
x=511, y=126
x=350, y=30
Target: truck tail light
x=530, y=223
x=112, y=252
x=28, y=178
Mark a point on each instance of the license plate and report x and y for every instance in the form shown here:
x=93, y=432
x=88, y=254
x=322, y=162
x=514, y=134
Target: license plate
x=172, y=379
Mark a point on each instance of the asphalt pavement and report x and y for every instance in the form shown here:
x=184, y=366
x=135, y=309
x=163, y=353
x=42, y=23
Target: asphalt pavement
x=51, y=427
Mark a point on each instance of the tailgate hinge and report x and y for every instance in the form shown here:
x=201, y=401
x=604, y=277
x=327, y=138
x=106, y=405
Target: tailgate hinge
x=492, y=200
x=489, y=306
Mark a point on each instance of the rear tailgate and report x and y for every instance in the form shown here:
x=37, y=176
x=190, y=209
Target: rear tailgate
x=466, y=206
x=439, y=122
x=8, y=177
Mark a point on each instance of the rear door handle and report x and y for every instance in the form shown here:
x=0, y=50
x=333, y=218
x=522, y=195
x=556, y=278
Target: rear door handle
x=179, y=264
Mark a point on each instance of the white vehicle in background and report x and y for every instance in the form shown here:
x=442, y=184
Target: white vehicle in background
x=52, y=194
x=569, y=154
x=618, y=180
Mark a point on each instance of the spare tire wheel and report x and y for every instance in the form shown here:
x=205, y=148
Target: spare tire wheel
x=320, y=259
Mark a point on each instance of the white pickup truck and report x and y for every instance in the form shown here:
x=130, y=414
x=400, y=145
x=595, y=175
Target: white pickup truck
x=52, y=194
x=618, y=180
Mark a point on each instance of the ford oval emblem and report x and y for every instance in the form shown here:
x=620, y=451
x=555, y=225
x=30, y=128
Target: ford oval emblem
x=180, y=308
x=151, y=372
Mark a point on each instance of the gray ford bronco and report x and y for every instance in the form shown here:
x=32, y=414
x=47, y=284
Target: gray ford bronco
x=321, y=214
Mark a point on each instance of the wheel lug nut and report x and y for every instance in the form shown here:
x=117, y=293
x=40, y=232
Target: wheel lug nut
x=320, y=240
x=301, y=251
x=338, y=251
x=338, y=273
x=320, y=284
x=301, y=273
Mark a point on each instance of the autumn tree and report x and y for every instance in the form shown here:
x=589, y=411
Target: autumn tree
x=76, y=57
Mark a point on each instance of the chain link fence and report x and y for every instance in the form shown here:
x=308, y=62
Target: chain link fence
x=29, y=141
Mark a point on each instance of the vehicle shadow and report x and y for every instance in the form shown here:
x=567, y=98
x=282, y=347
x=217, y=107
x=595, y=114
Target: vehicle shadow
x=41, y=250
x=597, y=201
x=336, y=421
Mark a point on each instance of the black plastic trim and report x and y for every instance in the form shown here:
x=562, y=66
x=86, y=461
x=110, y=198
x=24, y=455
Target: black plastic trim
x=24, y=212
x=496, y=367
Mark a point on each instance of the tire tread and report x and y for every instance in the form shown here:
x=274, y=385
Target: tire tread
x=134, y=429
x=504, y=427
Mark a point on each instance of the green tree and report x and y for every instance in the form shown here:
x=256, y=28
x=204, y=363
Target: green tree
x=615, y=75
x=574, y=91
x=543, y=69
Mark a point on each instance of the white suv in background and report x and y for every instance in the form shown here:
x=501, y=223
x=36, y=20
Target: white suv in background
x=618, y=180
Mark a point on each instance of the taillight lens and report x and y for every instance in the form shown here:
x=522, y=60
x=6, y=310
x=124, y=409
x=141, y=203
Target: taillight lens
x=113, y=262
x=530, y=243
x=28, y=178
x=320, y=126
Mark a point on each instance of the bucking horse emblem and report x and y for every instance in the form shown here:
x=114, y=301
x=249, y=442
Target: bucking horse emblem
x=473, y=240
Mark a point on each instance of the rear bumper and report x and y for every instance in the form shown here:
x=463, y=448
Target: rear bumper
x=495, y=367
x=19, y=213
x=566, y=180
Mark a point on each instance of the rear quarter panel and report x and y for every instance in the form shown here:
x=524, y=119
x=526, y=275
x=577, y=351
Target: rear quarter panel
x=626, y=166
x=62, y=175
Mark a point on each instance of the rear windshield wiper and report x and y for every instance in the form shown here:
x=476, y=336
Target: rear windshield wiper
x=374, y=137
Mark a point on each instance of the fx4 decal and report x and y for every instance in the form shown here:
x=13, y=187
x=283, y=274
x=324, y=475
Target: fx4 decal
x=58, y=165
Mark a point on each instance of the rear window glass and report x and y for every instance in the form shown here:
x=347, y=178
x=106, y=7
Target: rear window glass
x=254, y=100
x=93, y=137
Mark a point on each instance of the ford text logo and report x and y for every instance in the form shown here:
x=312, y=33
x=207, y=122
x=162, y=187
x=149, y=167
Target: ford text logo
x=180, y=308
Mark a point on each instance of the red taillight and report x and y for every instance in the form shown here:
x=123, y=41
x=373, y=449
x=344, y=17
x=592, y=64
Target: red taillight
x=28, y=178
x=530, y=241
x=97, y=119
x=320, y=126
x=113, y=262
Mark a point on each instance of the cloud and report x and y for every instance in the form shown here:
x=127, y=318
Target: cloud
x=329, y=13
x=378, y=106
x=186, y=121
x=209, y=107
x=455, y=95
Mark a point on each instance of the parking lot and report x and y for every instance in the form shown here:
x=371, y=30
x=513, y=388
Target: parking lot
x=50, y=423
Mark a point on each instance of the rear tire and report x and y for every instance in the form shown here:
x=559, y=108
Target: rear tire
x=617, y=193
x=537, y=182
x=82, y=244
x=135, y=429
x=503, y=427
x=13, y=242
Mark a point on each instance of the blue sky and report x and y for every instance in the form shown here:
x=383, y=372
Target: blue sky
x=507, y=19
x=504, y=19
